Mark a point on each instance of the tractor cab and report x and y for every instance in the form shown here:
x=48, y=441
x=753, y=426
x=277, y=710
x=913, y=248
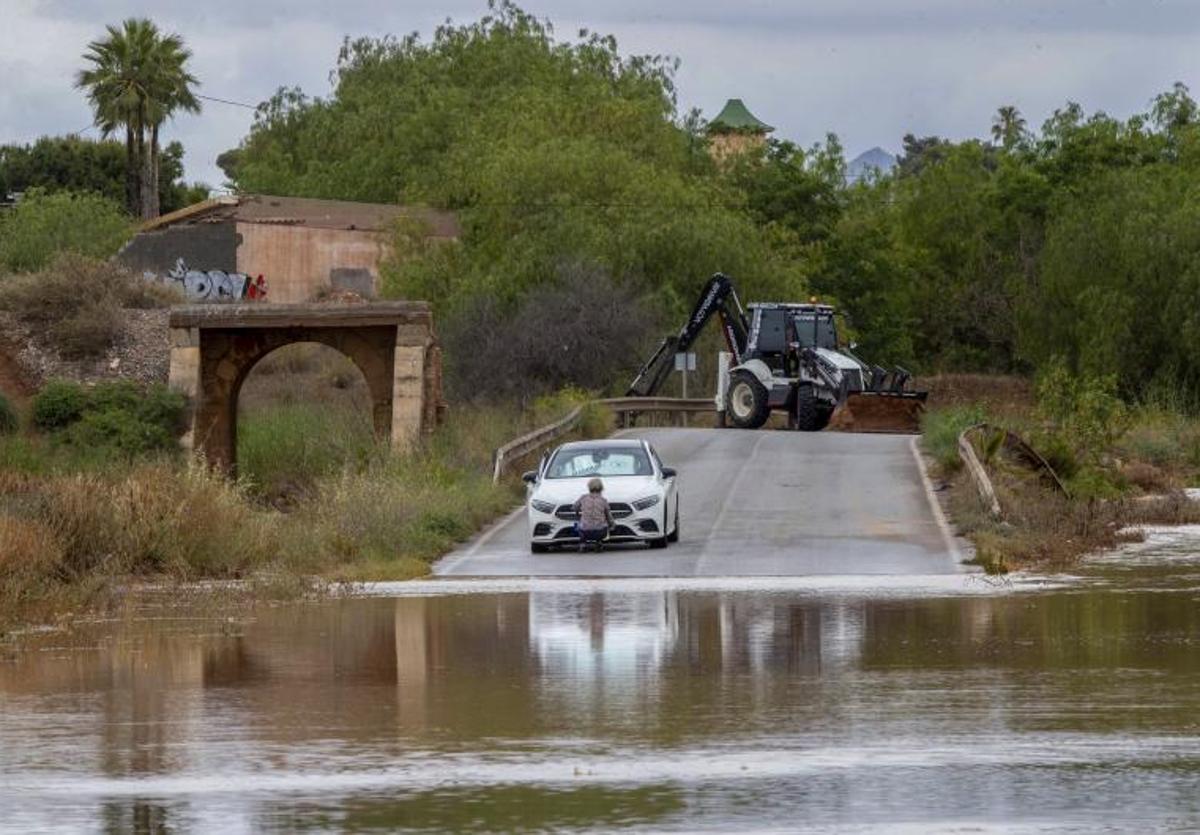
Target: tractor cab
x=777, y=329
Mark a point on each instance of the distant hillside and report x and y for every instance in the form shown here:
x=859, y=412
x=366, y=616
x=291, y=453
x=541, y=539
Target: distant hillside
x=867, y=160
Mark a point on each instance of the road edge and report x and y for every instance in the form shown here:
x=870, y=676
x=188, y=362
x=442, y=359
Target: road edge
x=939, y=516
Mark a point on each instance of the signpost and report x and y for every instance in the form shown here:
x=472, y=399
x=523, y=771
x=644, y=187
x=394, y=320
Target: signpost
x=685, y=362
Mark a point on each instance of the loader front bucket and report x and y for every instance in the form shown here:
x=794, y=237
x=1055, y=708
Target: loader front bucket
x=879, y=411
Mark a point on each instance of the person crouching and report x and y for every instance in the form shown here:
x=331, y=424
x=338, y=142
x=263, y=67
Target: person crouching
x=595, y=517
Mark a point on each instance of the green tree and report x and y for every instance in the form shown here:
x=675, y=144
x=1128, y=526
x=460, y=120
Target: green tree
x=800, y=190
x=70, y=163
x=42, y=225
x=1009, y=127
x=551, y=152
x=137, y=79
x=919, y=153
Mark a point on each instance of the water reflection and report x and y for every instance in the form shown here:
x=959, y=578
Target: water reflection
x=560, y=708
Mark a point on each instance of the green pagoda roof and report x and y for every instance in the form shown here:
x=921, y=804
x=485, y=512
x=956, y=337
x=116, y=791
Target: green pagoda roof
x=735, y=116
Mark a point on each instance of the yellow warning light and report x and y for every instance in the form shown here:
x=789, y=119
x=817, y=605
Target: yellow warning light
x=812, y=299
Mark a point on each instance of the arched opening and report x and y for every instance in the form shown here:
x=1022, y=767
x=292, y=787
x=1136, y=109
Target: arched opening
x=302, y=411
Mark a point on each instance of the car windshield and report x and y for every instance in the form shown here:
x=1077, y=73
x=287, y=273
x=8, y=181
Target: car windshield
x=815, y=330
x=580, y=462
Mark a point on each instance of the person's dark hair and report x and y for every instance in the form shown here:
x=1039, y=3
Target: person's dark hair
x=595, y=486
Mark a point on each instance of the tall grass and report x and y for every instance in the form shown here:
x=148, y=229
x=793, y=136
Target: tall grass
x=941, y=428
x=318, y=494
x=155, y=518
x=290, y=447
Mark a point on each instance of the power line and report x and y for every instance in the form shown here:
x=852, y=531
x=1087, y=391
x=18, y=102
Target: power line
x=227, y=101
x=86, y=128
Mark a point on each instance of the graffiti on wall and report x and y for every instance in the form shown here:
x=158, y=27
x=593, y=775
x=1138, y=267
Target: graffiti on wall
x=213, y=285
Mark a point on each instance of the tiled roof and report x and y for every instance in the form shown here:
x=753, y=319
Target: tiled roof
x=735, y=116
x=306, y=211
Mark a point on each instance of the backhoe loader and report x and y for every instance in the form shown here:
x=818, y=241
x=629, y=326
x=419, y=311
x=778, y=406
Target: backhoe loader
x=786, y=356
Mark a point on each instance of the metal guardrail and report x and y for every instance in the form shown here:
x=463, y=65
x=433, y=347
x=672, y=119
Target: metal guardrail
x=966, y=451
x=1017, y=445
x=623, y=406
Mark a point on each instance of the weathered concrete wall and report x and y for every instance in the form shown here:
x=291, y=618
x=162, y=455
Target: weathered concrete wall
x=213, y=349
x=723, y=147
x=299, y=261
x=204, y=246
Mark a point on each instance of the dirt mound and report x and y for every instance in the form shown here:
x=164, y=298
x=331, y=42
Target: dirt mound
x=142, y=352
x=877, y=413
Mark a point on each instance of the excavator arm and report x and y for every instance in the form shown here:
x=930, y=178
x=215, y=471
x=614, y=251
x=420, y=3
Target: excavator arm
x=718, y=297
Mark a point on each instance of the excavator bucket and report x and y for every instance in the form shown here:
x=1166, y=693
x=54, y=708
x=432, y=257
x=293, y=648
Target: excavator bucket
x=879, y=411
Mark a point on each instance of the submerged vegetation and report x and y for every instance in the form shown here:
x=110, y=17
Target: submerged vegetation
x=1121, y=467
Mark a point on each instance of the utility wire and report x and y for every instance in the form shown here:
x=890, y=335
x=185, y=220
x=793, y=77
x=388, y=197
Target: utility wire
x=227, y=101
x=86, y=128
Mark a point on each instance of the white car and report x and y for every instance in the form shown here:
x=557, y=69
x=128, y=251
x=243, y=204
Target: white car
x=641, y=493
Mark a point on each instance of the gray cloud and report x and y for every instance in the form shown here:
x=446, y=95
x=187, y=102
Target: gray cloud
x=869, y=70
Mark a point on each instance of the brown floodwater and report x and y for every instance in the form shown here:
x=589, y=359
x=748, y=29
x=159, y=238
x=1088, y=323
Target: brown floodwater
x=822, y=703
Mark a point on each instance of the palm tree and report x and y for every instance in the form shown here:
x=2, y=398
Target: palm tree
x=138, y=78
x=172, y=92
x=1008, y=127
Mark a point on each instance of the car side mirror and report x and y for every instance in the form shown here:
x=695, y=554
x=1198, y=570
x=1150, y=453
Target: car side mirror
x=668, y=472
x=529, y=477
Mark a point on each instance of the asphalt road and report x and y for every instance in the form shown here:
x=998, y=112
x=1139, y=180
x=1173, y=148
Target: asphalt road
x=759, y=503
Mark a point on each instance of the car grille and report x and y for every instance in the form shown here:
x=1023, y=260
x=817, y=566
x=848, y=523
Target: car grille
x=567, y=513
x=618, y=532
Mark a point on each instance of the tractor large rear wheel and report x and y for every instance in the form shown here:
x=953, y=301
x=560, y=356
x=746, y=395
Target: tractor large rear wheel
x=808, y=415
x=747, y=402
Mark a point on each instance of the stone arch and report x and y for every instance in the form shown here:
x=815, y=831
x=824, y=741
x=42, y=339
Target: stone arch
x=371, y=357
x=214, y=349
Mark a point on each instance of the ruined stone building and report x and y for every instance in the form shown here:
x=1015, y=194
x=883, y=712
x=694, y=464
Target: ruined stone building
x=282, y=249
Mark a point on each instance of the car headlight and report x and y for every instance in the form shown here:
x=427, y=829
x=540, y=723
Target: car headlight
x=544, y=507
x=648, y=502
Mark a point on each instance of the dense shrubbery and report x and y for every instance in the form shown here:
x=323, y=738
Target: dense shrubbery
x=1077, y=243
x=120, y=417
x=75, y=302
x=59, y=404
x=551, y=152
x=41, y=226
x=586, y=329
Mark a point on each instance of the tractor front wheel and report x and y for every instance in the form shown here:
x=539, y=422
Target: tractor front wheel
x=747, y=403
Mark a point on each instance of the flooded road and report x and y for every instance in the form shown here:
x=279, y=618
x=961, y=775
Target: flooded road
x=829, y=703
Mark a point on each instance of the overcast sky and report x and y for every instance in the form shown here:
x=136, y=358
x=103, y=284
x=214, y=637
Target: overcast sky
x=868, y=70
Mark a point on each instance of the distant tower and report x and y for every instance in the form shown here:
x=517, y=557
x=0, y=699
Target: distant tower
x=735, y=130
